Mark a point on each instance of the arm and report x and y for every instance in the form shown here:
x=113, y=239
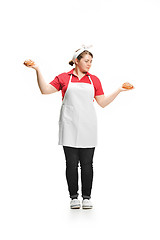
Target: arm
x=103, y=100
x=43, y=86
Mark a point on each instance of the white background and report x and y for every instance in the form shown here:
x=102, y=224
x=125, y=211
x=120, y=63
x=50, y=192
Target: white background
x=34, y=200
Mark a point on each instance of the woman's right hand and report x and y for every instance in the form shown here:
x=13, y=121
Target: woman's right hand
x=31, y=64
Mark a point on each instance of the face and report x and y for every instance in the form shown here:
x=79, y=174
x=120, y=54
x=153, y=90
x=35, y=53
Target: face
x=84, y=64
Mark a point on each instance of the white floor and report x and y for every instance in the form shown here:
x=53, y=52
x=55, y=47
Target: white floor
x=34, y=202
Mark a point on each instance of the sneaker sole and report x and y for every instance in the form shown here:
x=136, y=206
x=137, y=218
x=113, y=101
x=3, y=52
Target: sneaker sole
x=75, y=207
x=89, y=207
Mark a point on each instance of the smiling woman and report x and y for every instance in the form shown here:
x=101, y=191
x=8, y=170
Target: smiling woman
x=78, y=120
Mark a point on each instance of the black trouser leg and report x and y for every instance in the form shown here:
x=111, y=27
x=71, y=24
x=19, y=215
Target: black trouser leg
x=86, y=163
x=72, y=159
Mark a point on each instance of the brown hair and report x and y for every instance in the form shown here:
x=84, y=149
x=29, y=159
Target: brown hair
x=81, y=56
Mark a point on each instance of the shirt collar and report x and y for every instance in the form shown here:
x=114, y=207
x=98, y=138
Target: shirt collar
x=71, y=72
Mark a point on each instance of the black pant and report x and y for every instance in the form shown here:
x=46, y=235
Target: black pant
x=73, y=157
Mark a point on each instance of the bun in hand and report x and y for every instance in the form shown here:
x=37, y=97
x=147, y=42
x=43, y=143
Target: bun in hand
x=29, y=63
x=127, y=85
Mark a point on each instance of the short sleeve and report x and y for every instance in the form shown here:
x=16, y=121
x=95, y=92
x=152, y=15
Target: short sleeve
x=56, y=83
x=98, y=87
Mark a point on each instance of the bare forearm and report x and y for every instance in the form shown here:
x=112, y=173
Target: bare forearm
x=41, y=82
x=108, y=99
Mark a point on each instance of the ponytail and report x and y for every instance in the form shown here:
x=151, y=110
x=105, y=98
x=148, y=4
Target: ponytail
x=71, y=63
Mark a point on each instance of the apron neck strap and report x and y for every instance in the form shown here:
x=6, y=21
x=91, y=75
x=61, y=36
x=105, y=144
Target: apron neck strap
x=90, y=79
x=70, y=78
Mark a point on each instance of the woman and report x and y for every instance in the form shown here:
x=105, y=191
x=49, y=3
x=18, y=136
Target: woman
x=77, y=120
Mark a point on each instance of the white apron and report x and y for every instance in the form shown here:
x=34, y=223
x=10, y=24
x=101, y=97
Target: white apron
x=78, y=120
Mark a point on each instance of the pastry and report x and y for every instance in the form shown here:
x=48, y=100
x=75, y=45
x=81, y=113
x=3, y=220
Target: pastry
x=29, y=63
x=127, y=85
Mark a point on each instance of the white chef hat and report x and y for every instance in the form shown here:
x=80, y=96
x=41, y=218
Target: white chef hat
x=82, y=49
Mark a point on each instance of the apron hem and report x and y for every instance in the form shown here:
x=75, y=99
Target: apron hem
x=68, y=145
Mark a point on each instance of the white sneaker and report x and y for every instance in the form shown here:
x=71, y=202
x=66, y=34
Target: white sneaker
x=86, y=204
x=75, y=204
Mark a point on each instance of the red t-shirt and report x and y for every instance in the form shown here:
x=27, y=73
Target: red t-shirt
x=61, y=82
